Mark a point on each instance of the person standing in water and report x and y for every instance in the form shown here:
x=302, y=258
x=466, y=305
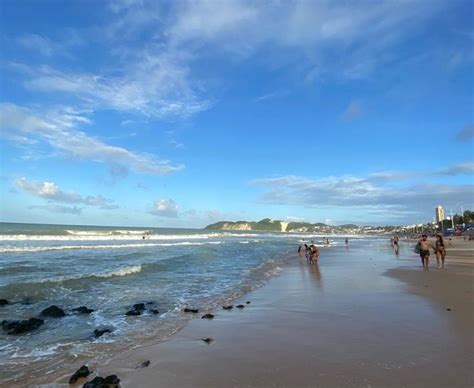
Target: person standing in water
x=314, y=254
x=440, y=251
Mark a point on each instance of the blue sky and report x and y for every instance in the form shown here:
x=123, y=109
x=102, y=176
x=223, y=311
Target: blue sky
x=183, y=113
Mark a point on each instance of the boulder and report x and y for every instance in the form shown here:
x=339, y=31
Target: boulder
x=207, y=340
x=207, y=316
x=229, y=307
x=97, y=382
x=53, y=311
x=133, y=313
x=19, y=327
x=144, y=364
x=100, y=332
x=188, y=310
x=139, y=306
x=112, y=381
x=83, y=371
x=83, y=310
x=3, y=302
x=154, y=311
x=248, y=302
x=240, y=306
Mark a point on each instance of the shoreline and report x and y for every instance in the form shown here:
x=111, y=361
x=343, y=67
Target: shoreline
x=302, y=330
x=370, y=322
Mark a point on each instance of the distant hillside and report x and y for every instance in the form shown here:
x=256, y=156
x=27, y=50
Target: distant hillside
x=269, y=225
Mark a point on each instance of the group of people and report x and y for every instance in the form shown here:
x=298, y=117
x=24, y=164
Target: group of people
x=311, y=252
x=423, y=248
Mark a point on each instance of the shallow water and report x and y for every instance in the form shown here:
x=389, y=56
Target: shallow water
x=109, y=270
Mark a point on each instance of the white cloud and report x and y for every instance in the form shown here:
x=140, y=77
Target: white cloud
x=165, y=207
x=48, y=190
x=59, y=131
x=383, y=193
x=156, y=83
x=52, y=192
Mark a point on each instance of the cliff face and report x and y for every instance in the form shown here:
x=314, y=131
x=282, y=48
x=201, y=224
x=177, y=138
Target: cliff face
x=269, y=225
x=265, y=225
x=235, y=226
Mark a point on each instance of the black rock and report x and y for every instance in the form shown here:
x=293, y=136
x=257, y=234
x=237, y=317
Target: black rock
x=97, y=382
x=83, y=371
x=154, y=311
x=207, y=340
x=100, y=332
x=133, y=313
x=240, y=306
x=18, y=327
x=150, y=302
x=112, y=381
x=207, y=316
x=230, y=307
x=139, y=306
x=248, y=302
x=187, y=310
x=448, y=309
x=144, y=364
x=3, y=302
x=83, y=310
x=53, y=311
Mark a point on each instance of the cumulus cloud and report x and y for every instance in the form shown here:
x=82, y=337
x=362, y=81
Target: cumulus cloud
x=59, y=130
x=48, y=190
x=53, y=193
x=165, y=207
x=465, y=134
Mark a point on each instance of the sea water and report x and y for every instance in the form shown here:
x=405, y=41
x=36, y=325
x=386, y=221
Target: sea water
x=109, y=269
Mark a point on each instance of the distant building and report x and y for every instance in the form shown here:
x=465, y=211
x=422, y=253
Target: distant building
x=439, y=214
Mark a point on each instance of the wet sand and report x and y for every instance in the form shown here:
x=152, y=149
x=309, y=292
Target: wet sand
x=358, y=320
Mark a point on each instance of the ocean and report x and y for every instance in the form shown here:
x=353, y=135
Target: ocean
x=109, y=269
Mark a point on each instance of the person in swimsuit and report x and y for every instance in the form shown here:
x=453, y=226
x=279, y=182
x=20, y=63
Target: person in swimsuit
x=396, y=246
x=425, y=246
x=440, y=251
x=314, y=254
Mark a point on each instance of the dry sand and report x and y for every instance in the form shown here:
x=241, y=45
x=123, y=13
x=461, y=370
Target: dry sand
x=344, y=324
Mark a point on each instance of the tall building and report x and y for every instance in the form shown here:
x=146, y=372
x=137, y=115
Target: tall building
x=439, y=214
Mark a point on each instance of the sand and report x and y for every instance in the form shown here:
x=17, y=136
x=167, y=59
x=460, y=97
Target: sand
x=354, y=321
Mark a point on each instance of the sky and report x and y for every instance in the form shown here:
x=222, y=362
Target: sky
x=185, y=113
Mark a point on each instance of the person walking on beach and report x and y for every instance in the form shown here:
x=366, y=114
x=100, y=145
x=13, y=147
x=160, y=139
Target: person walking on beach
x=440, y=251
x=396, y=246
x=425, y=246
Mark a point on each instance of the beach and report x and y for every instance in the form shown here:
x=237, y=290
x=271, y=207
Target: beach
x=362, y=318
